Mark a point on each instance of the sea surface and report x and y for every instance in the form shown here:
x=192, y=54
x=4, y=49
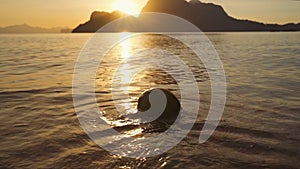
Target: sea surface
x=260, y=126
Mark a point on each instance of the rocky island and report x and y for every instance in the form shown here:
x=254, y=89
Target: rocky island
x=206, y=16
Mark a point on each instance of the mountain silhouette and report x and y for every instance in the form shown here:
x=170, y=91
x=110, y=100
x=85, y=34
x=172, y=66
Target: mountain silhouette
x=24, y=28
x=206, y=16
x=97, y=20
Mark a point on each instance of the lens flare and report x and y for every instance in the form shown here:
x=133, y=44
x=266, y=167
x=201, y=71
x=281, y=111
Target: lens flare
x=127, y=6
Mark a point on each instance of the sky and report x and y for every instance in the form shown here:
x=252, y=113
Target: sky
x=70, y=13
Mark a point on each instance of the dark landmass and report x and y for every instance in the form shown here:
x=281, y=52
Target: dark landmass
x=97, y=20
x=31, y=29
x=206, y=16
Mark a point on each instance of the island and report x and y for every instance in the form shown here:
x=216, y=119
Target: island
x=206, y=16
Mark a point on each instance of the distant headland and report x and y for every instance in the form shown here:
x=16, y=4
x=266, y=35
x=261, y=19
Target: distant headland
x=206, y=16
x=25, y=28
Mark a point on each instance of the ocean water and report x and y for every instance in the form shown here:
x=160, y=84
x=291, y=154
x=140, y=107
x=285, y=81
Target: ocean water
x=259, y=128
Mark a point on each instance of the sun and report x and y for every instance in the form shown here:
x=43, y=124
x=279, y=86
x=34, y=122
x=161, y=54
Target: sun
x=127, y=6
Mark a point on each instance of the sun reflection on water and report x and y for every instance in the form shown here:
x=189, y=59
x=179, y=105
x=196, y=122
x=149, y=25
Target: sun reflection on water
x=125, y=38
x=126, y=50
x=126, y=73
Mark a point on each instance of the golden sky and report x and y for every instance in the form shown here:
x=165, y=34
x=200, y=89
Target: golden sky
x=51, y=13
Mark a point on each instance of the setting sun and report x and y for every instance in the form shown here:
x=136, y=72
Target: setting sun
x=127, y=6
